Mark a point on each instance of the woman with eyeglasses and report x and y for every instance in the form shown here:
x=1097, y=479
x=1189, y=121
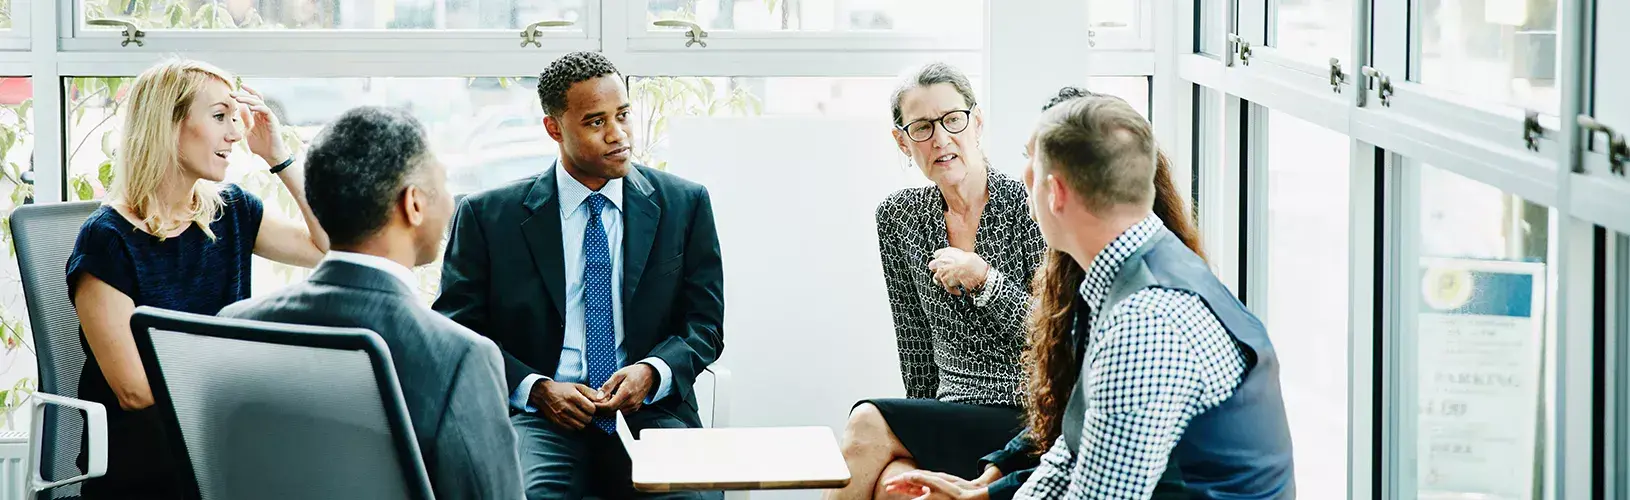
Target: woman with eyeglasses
x=957, y=258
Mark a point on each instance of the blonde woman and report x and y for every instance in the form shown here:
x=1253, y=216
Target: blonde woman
x=171, y=236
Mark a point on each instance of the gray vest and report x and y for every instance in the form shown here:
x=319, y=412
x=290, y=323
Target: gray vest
x=1239, y=449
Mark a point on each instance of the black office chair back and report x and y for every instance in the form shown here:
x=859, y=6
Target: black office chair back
x=44, y=236
x=278, y=411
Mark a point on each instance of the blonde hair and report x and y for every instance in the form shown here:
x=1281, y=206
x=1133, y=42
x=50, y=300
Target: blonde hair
x=149, y=151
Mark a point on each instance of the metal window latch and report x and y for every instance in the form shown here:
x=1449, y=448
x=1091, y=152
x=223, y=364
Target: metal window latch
x=1383, y=84
x=695, y=31
x=1092, y=36
x=1532, y=131
x=529, y=35
x=1242, y=48
x=1618, y=153
x=1337, y=77
x=131, y=33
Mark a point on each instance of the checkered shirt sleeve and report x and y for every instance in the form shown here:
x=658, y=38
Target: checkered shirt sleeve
x=1157, y=361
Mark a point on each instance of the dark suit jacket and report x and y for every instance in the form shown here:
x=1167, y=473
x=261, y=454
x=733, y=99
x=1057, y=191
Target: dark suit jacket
x=451, y=378
x=504, y=277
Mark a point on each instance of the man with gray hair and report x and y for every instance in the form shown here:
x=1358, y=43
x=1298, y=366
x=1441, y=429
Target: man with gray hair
x=1171, y=369
x=375, y=186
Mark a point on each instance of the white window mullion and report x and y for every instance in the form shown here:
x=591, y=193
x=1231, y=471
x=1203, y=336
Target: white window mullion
x=49, y=184
x=1401, y=269
x=1570, y=441
x=1365, y=228
x=1616, y=280
x=1221, y=186
x=1255, y=195
x=1366, y=237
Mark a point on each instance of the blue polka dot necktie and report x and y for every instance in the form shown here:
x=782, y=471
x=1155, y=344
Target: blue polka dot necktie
x=600, y=343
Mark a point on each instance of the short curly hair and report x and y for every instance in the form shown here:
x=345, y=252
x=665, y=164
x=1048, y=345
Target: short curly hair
x=1068, y=93
x=569, y=69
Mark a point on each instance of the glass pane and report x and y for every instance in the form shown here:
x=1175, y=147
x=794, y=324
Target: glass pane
x=935, y=17
x=334, y=14
x=1307, y=294
x=1609, y=102
x=1314, y=30
x=1134, y=89
x=1212, y=27
x=5, y=14
x=1502, y=51
x=661, y=101
x=17, y=368
x=1485, y=295
x=487, y=131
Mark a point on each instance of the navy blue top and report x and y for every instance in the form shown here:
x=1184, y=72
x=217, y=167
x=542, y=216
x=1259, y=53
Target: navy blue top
x=189, y=273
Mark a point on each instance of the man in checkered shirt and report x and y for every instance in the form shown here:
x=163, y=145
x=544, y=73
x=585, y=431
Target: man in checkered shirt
x=1176, y=377
x=1175, y=372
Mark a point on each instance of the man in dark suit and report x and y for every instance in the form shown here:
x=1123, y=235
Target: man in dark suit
x=382, y=196
x=600, y=279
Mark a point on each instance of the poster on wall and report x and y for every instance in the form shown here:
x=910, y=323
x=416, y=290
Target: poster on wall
x=1481, y=331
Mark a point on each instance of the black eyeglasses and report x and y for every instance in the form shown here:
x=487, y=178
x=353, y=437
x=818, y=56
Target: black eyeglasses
x=922, y=130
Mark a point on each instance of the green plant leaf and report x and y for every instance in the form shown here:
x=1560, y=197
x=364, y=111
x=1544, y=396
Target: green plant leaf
x=82, y=188
x=104, y=174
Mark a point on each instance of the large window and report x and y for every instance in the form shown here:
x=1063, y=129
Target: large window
x=952, y=17
x=16, y=188
x=487, y=131
x=1483, y=320
x=1307, y=294
x=333, y=14
x=1313, y=30
x=1500, y=51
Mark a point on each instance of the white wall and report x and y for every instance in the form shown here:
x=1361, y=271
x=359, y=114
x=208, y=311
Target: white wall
x=807, y=325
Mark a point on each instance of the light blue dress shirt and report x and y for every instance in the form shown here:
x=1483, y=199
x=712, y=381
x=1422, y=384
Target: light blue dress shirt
x=574, y=219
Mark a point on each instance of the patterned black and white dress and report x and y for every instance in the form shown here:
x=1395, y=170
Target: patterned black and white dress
x=959, y=355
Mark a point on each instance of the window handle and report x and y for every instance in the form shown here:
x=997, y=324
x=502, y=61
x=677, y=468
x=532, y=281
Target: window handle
x=131, y=32
x=1242, y=48
x=1382, y=81
x=1618, y=153
x=529, y=35
x=695, y=31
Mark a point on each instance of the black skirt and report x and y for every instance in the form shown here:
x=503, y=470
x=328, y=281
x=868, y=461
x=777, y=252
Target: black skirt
x=949, y=437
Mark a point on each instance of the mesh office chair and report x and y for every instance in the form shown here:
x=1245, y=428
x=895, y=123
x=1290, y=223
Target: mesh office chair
x=44, y=237
x=278, y=411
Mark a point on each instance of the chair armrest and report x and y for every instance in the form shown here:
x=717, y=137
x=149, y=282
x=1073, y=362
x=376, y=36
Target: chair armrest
x=96, y=422
x=721, y=394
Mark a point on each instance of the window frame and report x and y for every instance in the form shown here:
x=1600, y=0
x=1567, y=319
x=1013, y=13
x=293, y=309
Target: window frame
x=19, y=37
x=427, y=43
x=1615, y=297
x=640, y=38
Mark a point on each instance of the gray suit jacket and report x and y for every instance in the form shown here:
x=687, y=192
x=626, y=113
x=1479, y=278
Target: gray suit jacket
x=452, y=379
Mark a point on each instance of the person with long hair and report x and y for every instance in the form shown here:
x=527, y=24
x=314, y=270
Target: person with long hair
x=957, y=259
x=1144, y=341
x=171, y=235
